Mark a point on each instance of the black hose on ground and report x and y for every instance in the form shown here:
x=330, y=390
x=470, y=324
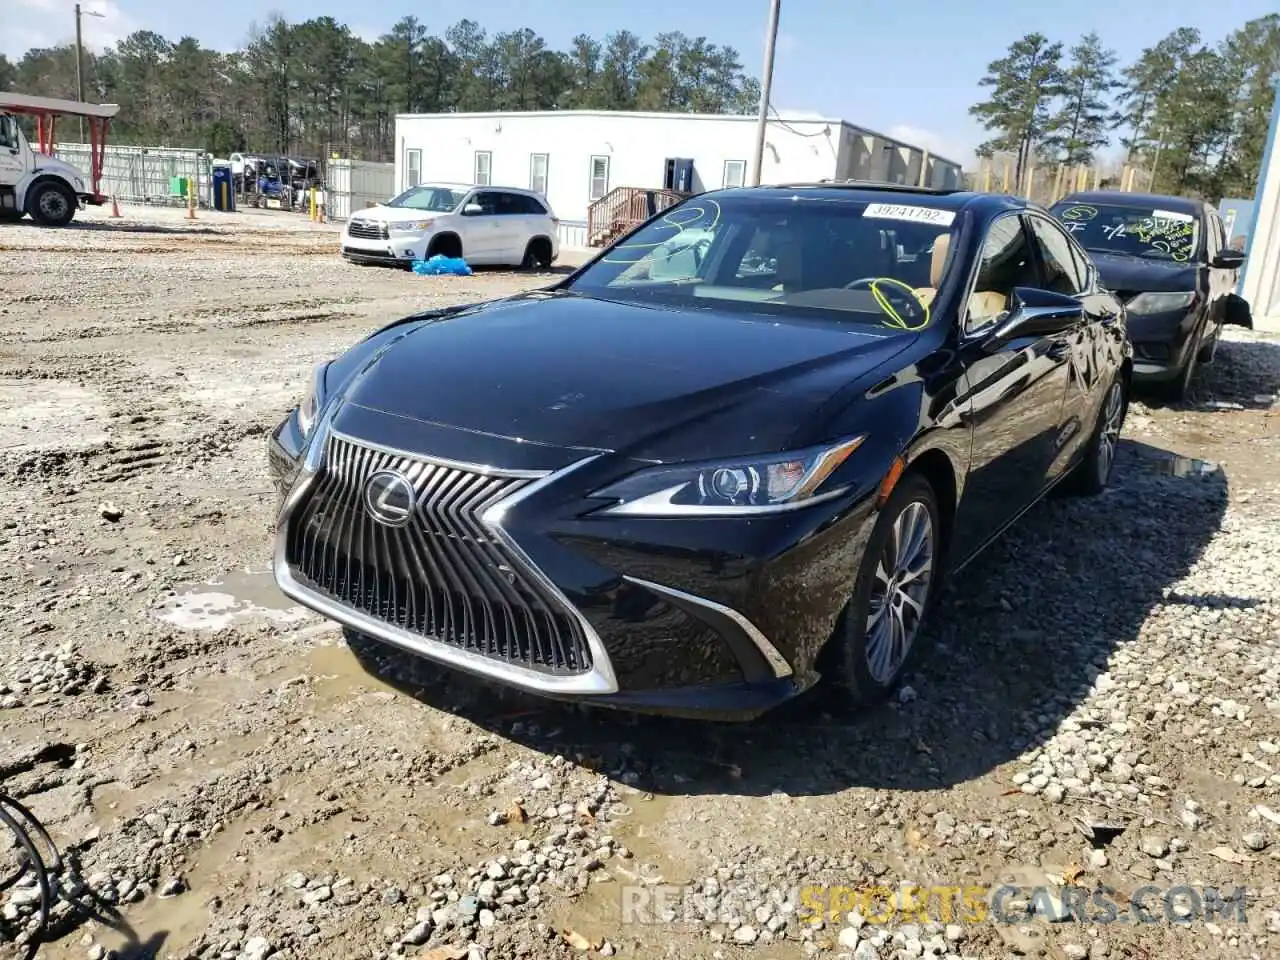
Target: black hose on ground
x=38, y=855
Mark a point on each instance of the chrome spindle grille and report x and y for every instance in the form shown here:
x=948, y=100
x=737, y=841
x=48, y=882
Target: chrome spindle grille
x=443, y=575
x=367, y=230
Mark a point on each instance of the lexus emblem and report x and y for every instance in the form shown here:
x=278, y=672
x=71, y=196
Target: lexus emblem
x=390, y=498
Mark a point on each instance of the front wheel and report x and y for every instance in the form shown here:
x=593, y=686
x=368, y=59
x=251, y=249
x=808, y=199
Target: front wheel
x=1092, y=474
x=893, y=595
x=51, y=204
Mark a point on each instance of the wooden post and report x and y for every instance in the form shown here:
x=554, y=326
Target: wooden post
x=986, y=174
x=1097, y=177
x=1008, y=175
x=191, y=199
x=1057, y=182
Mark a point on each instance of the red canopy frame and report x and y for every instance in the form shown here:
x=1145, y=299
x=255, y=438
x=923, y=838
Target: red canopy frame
x=47, y=110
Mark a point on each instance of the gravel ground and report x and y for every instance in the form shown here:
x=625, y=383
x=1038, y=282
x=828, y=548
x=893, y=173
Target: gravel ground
x=1101, y=704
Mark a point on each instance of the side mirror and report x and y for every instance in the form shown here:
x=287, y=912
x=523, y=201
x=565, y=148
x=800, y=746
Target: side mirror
x=1228, y=259
x=1035, y=313
x=472, y=210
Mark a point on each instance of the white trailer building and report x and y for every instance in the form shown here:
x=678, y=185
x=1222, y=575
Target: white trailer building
x=577, y=157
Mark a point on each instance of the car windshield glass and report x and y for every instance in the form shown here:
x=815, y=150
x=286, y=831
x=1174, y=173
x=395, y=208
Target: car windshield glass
x=814, y=257
x=435, y=199
x=1133, y=230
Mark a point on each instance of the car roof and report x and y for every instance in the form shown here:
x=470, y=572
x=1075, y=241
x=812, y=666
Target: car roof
x=1157, y=200
x=866, y=191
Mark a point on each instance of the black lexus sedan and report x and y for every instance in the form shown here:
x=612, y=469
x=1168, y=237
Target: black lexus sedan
x=1167, y=258
x=734, y=453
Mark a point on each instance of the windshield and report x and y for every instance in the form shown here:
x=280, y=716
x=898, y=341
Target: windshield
x=820, y=257
x=1133, y=230
x=435, y=199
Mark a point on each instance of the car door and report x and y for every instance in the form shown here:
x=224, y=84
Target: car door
x=482, y=229
x=13, y=164
x=1014, y=392
x=1222, y=280
x=519, y=220
x=1062, y=271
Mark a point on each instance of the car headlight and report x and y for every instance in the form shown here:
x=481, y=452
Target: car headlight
x=765, y=484
x=413, y=226
x=1160, y=302
x=310, y=405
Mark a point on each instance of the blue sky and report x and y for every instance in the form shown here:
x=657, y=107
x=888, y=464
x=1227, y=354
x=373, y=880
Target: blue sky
x=908, y=68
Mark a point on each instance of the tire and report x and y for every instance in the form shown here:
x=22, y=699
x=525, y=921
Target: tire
x=537, y=255
x=1092, y=474
x=51, y=204
x=1208, y=351
x=874, y=642
x=1180, y=387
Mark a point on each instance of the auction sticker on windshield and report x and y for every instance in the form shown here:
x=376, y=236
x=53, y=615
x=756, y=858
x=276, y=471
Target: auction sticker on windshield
x=902, y=211
x=1171, y=215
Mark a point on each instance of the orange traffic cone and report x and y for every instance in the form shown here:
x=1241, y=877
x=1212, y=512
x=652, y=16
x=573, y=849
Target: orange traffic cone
x=115, y=207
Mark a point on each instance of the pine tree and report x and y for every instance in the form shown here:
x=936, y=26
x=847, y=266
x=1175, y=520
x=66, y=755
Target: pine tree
x=1025, y=83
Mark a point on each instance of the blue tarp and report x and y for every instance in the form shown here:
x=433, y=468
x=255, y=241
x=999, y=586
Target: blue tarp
x=440, y=266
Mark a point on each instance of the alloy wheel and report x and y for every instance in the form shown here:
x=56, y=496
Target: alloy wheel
x=1109, y=434
x=900, y=591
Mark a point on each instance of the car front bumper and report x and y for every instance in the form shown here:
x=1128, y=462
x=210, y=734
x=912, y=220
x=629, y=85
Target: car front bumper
x=1162, y=343
x=400, y=249
x=714, y=618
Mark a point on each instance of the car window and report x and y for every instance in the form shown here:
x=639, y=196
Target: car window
x=1213, y=235
x=1061, y=273
x=847, y=260
x=530, y=206
x=1005, y=263
x=8, y=133
x=489, y=202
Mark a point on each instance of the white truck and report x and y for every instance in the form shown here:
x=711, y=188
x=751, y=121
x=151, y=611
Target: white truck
x=33, y=181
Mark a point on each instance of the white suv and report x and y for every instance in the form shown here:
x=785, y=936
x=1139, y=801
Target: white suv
x=484, y=225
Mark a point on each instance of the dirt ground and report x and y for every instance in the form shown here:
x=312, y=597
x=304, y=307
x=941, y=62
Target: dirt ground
x=1100, y=705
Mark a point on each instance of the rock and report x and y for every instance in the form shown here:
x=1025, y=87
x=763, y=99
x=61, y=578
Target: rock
x=488, y=919
x=172, y=888
x=1074, y=951
x=256, y=948
x=848, y=938
x=745, y=934
x=1153, y=846
x=418, y=934
x=1255, y=841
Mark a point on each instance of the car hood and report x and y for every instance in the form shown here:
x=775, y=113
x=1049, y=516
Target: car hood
x=384, y=214
x=1144, y=276
x=655, y=383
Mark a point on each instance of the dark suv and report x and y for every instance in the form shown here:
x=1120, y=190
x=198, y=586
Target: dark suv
x=1167, y=258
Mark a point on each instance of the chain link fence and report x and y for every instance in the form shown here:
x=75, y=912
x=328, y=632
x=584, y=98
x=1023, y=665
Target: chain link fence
x=156, y=175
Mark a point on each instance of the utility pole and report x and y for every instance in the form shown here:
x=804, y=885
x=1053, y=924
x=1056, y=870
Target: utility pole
x=79, y=61
x=766, y=88
x=79, y=71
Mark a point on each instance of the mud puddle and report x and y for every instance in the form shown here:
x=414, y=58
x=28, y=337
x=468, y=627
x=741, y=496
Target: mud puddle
x=238, y=596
